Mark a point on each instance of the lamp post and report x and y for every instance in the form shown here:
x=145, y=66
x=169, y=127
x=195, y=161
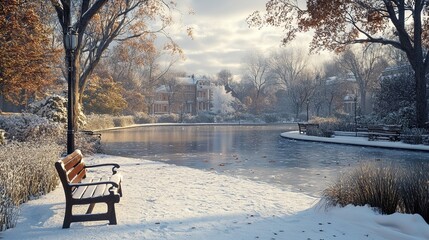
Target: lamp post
x=355, y=103
x=70, y=43
x=308, y=102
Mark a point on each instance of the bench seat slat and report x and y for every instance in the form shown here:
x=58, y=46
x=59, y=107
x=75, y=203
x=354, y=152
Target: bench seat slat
x=79, y=191
x=101, y=189
x=89, y=192
x=77, y=194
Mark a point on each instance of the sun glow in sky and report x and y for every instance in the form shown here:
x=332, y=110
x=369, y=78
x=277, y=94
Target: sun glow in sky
x=222, y=38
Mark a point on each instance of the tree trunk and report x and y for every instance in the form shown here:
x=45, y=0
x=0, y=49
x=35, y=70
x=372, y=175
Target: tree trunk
x=421, y=99
x=363, y=101
x=77, y=100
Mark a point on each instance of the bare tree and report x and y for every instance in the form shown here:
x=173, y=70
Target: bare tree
x=256, y=70
x=300, y=94
x=401, y=24
x=366, y=65
x=288, y=64
x=101, y=22
x=156, y=65
x=224, y=77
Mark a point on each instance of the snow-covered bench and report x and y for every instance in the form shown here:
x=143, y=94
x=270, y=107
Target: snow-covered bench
x=81, y=190
x=391, y=132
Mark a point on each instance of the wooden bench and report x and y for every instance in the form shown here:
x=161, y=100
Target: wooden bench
x=81, y=190
x=361, y=131
x=391, y=132
x=302, y=127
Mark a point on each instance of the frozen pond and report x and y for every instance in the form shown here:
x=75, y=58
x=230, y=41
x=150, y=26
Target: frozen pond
x=253, y=152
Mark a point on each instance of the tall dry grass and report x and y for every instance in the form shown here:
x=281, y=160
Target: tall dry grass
x=98, y=122
x=387, y=187
x=27, y=171
x=123, y=121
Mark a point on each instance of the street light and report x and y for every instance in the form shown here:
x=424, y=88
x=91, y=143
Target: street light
x=70, y=44
x=355, y=102
x=308, y=102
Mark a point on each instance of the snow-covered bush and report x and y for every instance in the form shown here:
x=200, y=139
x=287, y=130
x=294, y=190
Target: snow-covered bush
x=387, y=187
x=54, y=108
x=222, y=101
x=413, y=135
x=88, y=142
x=371, y=183
x=99, y=121
x=27, y=170
x=202, y=117
x=168, y=118
x=123, y=121
x=271, y=118
x=28, y=127
x=142, y=118
x=405, y=116
x=395, y=93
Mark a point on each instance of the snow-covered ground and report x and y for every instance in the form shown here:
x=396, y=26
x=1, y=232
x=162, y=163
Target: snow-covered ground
x=359, y=141
x=170, y=202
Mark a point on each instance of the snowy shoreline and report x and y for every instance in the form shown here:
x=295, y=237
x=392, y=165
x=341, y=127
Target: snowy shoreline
x=164, y=201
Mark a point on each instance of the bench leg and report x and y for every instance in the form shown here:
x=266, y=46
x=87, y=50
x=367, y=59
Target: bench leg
x=67, y=216
x=111, y=212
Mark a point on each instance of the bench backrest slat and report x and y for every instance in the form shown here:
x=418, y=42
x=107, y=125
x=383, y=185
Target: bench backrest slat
x=78, y=170
x=72, y=160
x=78, y=178
x=71, y=169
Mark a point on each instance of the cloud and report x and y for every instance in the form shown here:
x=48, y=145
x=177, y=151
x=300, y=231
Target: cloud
x=222, y=37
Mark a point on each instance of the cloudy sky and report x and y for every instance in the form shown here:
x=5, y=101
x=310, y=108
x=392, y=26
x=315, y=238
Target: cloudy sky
x=222, y=37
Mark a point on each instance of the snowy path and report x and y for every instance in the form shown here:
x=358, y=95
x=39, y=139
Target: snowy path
x=169, y=202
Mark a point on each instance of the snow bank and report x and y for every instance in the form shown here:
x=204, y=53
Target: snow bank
x=169, y=202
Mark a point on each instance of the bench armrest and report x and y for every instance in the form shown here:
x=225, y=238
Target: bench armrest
x=114, y=168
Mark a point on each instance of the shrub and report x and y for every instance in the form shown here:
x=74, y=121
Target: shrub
x=28, y=127
x=88, y=142
x=168, y=118
x=123, y=121
x=27, y=171
x=425, y=139
x=314, y=131
x=413, y=136
x=325, y=129
x=99, y=121
x=203, y=117
x=54, y=108
x=405, y=116
x=142, y=118
x=415, y=191
x=386, y=187
x=271, y=118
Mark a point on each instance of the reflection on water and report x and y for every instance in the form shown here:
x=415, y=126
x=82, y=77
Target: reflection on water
x=253, y=152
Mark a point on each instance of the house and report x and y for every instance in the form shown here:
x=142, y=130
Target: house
x=184, y=95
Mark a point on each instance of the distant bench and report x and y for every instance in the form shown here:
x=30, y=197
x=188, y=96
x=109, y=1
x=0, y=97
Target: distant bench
x=391, y=132
x=304, y=126
x=80, y=190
